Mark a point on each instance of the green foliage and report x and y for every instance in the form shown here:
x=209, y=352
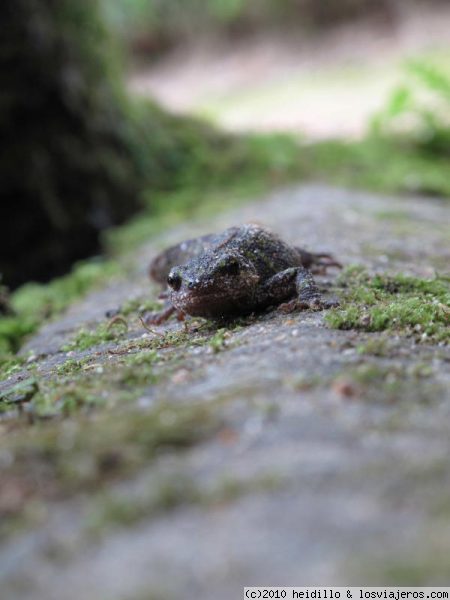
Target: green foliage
x=34, y=303
x=410, y=305
x=378, y=163
x=418, y=111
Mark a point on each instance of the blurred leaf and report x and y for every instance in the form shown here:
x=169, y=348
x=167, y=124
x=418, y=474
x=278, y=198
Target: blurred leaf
x=418, y=113
x=431, y=78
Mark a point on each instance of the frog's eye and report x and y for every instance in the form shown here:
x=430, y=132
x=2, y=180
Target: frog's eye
x=174, y=280
x=231, y=267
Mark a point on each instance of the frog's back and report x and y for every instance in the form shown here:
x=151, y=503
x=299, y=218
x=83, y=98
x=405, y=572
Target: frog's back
x=268, y=253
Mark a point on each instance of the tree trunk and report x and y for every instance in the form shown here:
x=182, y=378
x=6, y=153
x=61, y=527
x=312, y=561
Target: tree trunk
x=67, y=156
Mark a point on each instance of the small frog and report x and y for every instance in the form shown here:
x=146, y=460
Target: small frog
x=239, y=271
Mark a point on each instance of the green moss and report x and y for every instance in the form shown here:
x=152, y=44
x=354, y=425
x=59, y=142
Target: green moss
x=377, y=346
x=105, y=332
x=19, y=394
x=142, y=359
x=393, y=383
x=10, y=364
x=65, y=400
x=69, y=367
x=409, y=305
x=50, y=299
x=34, y=303
x=54, y=460
x=219, y=340
x=137, y=369
x=167, y=492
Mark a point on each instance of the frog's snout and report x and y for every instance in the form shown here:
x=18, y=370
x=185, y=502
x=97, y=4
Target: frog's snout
x=192, y=284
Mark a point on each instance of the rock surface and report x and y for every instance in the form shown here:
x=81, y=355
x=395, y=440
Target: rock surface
x=337, y=484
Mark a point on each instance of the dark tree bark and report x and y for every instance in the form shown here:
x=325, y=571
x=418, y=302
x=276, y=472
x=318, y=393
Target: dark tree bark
x=67, y=156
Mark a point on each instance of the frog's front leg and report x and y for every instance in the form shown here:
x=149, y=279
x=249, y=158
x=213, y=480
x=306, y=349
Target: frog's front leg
x=159, y=317
x=297, y=285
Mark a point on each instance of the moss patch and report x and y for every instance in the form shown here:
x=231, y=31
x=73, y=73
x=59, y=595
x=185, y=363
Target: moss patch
x=105, y=332
x=49, y=461
x=35, y=303
x=407, y=305
x=111, y=376
x=388, y=384
x=167, y=492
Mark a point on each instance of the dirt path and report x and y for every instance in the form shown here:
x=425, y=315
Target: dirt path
x=321, y=87
x=303, y=483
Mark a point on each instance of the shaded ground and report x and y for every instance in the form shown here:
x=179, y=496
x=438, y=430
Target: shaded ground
x=324, y=464
x=274, y=84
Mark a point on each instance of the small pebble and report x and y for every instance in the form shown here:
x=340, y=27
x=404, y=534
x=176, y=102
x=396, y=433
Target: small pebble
x=180, y=376
x=344, y=387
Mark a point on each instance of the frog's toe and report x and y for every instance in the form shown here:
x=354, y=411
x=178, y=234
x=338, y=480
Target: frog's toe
x=331, y=303
x=321, y=262
x=156, y=318
x=300, y=304
x=288, y=307
x=315, y=303
x=319, y=303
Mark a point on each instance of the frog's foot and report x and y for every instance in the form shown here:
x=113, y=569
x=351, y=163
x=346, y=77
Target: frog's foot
x=288, y=307
x=316, y=303
x=318, y=263
x=157, y=318
x=320, y=303
x=308, y=295
x=321, y=262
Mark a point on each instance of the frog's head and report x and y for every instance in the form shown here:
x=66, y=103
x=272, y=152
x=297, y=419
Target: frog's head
x=214, y=284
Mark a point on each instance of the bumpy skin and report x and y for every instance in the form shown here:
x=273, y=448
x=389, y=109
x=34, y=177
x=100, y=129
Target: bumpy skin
x=241, y=270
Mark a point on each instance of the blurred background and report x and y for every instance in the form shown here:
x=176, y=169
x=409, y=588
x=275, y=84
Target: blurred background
x=315, y=68
x=163, y=108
